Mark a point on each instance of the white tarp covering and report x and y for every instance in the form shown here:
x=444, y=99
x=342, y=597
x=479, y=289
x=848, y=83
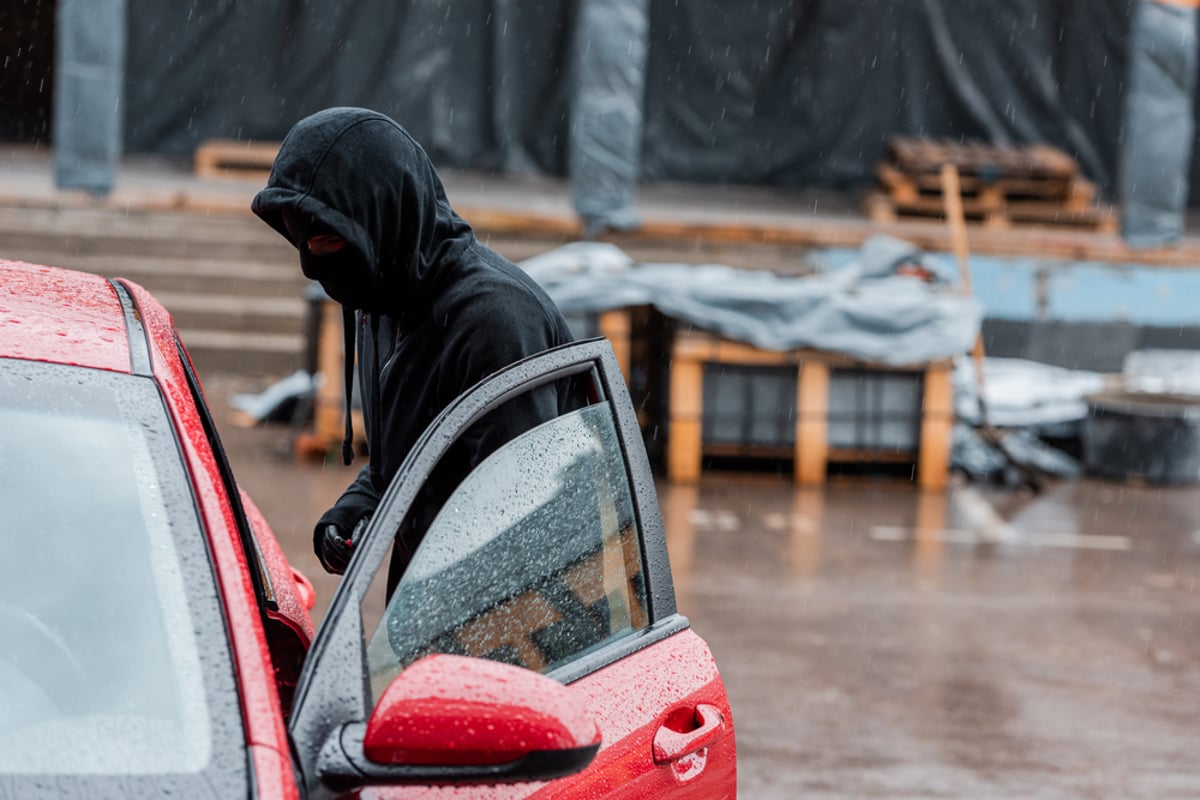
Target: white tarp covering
x=1020, y=393
x=1175, y=372
x=863, y=310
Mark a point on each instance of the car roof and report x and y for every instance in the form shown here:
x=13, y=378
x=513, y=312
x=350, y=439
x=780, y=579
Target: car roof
x=61, y=316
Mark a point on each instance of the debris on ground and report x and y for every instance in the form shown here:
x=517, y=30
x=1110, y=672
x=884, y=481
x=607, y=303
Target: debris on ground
x=278, y=402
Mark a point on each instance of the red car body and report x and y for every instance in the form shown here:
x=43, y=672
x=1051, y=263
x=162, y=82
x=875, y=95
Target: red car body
x=659, y=710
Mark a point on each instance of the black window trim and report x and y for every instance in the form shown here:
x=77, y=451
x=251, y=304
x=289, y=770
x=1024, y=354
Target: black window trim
x=260, y=576
x=139, y=348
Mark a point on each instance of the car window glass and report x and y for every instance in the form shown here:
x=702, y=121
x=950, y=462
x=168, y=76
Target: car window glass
x=533, y=560
x=108, y=611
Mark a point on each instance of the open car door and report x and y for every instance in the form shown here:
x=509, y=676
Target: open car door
x=533, y=644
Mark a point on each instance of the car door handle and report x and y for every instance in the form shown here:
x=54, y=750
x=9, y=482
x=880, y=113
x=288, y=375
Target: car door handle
x=671, y=745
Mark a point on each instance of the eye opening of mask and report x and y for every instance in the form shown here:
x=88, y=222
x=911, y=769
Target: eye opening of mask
x=324, y=244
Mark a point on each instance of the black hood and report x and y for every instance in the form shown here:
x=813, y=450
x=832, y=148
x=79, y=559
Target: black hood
x=359, y=174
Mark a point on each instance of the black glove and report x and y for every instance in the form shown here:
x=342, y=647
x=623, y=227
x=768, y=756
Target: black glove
x=334, y=547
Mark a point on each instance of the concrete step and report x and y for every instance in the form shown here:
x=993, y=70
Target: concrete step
x=221, y=312
x=178, y=274
x=174, y=234
x=232, y=285
x=268, y=356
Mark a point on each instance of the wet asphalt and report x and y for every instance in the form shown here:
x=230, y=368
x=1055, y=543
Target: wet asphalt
x=880, y=642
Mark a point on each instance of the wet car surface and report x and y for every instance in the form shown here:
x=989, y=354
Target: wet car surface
x=877, y=641
x=161, y=642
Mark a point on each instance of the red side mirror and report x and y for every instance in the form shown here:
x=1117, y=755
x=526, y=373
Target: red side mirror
x=448, y=710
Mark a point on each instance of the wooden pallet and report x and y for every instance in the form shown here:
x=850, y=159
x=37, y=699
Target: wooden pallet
x=811, y=453
x=226, y=158
x=1002, y=187
x=1034, y=161
x=329, y=407
x=884, y=209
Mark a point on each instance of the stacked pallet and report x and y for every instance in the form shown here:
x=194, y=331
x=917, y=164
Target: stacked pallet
x=1002, y=187
x=226, y=158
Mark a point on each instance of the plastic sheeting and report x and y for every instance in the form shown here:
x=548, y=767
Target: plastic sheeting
x=611, y=40
x=480, y=83
x=88, y=111
x=860, y=310
x=794, y=92
x=1019, y=393
x=1159, y=125
x=788, y=92
x=1173, y=372
x=805, y=92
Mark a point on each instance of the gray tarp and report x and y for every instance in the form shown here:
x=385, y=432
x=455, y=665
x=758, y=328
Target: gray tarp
x=88, y=107
x=805, y=92
x=1159, y=125
x=861, y=310
x=611, y=37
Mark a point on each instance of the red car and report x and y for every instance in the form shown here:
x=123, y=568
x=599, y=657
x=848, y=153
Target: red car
x=157, y=643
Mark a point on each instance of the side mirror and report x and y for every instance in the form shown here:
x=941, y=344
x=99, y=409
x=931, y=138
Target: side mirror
x=456, y=719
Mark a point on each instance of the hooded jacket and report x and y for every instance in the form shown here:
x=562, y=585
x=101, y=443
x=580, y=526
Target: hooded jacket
x=436, y=311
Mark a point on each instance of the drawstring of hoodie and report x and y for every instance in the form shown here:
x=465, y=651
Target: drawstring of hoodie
x=349, y=324
x=373, y=443
x=350, y=327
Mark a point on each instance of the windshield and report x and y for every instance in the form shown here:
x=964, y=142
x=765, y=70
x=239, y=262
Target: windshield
x=115, y=661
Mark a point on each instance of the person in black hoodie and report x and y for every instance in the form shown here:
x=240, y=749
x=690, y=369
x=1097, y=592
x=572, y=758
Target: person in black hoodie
x=433, y=310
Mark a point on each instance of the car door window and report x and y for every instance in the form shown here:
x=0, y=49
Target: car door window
x=533, y=560
x=548, y=553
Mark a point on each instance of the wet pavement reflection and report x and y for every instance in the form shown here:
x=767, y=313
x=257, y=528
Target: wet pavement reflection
x=877, y=641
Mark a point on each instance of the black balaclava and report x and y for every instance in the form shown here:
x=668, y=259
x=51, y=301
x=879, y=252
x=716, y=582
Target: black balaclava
x=348, y=279
x=345, y=275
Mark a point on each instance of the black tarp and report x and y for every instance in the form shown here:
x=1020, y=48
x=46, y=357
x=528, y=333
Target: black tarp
x=806, y=92
x=479, y=83
x=787, y=92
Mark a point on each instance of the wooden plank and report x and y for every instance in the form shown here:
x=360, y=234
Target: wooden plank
x=1008, y=214
x=812, y=424
x=1081, y=194
x=977, y=158
x=937, y=423
x=615, y=326
x=329, y=410
x=904, y=187
x=686, y=406
x=704, y=346
x=801, y=230
x=811, y=452
x=219, y=158
x=900, y=187
x=858, y=455
x=732, y=450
